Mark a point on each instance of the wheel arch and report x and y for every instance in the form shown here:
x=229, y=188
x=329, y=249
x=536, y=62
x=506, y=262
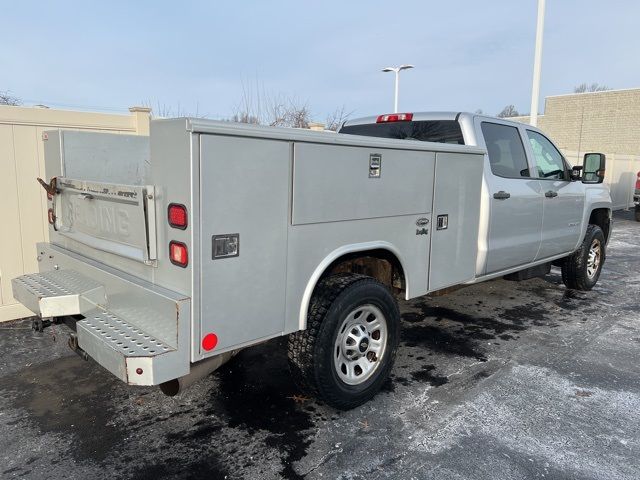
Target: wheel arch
x=351, y=254
x=600, y=216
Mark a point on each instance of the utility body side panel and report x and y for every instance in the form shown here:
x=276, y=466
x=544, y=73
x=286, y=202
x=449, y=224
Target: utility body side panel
x=244, y=184
x=300, y=205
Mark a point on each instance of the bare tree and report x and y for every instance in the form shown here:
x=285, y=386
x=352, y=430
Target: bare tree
x=508, y=111
x=336, y=119
x=249, y=109
x=7, y=99
x=244, y=117
x=286, y=112
x=594, y=87
x=258, y=107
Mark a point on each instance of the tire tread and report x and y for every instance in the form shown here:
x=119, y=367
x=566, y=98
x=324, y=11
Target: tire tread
x=574, y=268
x=304, y=348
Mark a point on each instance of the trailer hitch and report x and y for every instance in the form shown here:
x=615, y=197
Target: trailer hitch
x=73, y=345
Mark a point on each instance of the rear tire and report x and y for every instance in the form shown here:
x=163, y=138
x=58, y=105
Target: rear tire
x=347, y=351
x=581, y=270
x=637, y=213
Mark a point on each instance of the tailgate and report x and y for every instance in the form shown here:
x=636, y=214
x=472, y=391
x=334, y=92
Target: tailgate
x=114, y=218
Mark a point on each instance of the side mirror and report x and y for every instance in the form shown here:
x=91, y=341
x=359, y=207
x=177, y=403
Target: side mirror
x=594, y=168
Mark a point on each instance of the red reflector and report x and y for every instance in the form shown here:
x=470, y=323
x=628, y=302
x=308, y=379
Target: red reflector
x=178, y=254
x=209, y=341
x=395, y=117
x=177, y=216
x=139, y=371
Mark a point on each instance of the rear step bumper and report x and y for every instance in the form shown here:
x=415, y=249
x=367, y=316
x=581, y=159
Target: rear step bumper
x=134, y=329
x=58, y=293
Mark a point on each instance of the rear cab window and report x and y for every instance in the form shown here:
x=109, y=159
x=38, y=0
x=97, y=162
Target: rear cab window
x=440, y=131
x=506, y=152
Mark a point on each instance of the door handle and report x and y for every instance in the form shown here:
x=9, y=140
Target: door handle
x=501, y=195
x=551, y=194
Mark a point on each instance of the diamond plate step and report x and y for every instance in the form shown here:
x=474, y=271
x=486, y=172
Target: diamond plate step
x=58, y=293
x=128, y=352
x=113, y=331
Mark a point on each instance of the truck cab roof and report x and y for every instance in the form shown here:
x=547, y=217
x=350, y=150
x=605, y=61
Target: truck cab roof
x=440, y=127
x=417, y=116
x=429, y=116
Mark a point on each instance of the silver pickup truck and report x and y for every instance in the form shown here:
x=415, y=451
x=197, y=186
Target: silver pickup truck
x=535, y=208
x=168, y=254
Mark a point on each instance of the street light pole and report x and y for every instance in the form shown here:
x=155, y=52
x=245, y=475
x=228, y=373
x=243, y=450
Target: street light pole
x=537, y=61
x=396, y=70
x=395, y=97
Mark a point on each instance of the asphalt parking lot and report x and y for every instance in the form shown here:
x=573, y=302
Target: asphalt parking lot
x=500, y=380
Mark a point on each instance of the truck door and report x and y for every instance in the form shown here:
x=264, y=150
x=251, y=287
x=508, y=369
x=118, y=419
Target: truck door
x=515, y=208
x=563, y=199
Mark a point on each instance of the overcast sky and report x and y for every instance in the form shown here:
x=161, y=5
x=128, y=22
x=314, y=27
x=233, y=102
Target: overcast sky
x=469, y=54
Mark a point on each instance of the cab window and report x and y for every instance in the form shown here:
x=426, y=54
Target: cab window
x=550, y=164
x=506, y=151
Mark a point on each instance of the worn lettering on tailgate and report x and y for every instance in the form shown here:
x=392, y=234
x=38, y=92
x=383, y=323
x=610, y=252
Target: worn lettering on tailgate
x=108, y=217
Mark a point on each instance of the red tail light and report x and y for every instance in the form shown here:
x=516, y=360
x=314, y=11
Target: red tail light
x=638, y=181
x=177, y=216
x=178, y=254
x=395, y=117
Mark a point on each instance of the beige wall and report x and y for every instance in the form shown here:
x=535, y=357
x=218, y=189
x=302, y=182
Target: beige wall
x=23, y=203
x=606, y=122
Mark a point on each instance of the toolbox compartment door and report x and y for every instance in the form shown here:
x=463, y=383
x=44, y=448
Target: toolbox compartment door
x=456, y=219
x=119, y=219
x=244, y=189
x=336, y=183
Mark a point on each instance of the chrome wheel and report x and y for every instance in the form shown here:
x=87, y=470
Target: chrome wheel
x=360, y=345
x=594, y=258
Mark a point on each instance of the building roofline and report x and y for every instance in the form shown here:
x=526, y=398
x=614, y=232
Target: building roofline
x=591, y=93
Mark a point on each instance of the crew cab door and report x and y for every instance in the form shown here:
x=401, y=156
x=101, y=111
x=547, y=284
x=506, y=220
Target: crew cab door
x=515, y=199
x=563, y=199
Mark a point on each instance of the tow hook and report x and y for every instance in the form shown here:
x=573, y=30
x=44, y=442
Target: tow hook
x=73, y=345
x=38, y=324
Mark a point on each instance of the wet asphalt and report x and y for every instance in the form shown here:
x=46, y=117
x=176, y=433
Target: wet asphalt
x=500, y=380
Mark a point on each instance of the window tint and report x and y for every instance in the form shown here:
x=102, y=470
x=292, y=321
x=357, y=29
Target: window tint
x=505, y=149
x=549, y=161
x=441, y=131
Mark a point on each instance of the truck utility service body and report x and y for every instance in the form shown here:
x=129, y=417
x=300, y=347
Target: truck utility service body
x=206, y=237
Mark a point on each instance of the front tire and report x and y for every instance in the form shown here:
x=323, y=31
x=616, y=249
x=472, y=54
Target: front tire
x=581, y=270
x=348, y=349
